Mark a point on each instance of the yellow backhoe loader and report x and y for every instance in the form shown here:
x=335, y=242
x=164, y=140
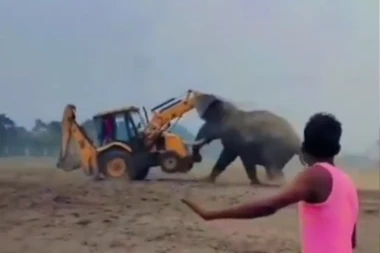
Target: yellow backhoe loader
x=136, y=145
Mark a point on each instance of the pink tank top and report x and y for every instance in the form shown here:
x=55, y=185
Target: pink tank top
x=327, y=227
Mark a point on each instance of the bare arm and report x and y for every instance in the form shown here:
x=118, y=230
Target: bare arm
x=297, y=191
x=353, y=238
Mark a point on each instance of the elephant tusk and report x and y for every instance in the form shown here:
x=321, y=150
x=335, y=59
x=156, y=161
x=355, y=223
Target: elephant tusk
x=194, y=143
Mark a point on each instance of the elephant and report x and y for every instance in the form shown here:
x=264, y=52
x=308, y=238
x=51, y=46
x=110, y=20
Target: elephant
x=258, y=137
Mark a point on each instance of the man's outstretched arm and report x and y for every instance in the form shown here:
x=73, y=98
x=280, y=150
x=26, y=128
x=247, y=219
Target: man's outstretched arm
x=297, y=191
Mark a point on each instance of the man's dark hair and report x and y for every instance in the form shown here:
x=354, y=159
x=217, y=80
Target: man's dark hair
x=322, y=136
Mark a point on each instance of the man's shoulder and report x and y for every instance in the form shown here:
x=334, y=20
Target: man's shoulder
x=320, y=181
x=312, y=177
x=318, y=171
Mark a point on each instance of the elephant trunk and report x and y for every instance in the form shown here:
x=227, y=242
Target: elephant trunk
x=206, y=134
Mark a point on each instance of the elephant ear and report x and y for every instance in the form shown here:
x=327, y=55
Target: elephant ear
x=209, y=107
x=203, y=102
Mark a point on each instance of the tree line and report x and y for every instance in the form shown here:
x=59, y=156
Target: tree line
x=43, y=139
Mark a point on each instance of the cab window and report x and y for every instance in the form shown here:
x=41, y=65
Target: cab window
x=137, y=120
x=121, y=129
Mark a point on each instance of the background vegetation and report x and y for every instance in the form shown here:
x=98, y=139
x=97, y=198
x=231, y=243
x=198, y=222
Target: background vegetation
x=43, y=140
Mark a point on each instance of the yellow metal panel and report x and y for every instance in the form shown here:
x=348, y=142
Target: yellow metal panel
x=175, y=143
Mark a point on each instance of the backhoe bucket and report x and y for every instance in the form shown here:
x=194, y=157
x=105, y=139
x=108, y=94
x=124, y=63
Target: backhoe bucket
x=68, y=159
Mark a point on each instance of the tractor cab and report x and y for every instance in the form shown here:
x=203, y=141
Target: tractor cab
x=124, y=125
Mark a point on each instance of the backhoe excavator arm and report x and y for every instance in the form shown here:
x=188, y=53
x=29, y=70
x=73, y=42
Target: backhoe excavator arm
x=167, y=111
x=87, y=150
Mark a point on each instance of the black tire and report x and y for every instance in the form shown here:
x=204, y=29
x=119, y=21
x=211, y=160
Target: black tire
x=142, y=173
x=187, y=164
x=121, y=156
x=170, y=162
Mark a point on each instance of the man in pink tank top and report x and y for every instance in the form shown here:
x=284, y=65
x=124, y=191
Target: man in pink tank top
x=327, y=197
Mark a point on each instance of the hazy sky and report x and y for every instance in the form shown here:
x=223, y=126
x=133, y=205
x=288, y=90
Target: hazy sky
x=293, y=57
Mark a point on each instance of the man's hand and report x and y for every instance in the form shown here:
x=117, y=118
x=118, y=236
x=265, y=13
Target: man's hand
x=204, y=214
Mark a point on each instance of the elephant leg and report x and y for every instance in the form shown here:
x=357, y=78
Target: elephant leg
x=97, y=175
x=269, y=172
x=196, y=154
x=274, y=172
x=280, y=173
x=275, y=168
x=251, y=169
x=226, y=157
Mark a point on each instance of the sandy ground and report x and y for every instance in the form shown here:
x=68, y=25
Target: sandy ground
x=46, y=210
